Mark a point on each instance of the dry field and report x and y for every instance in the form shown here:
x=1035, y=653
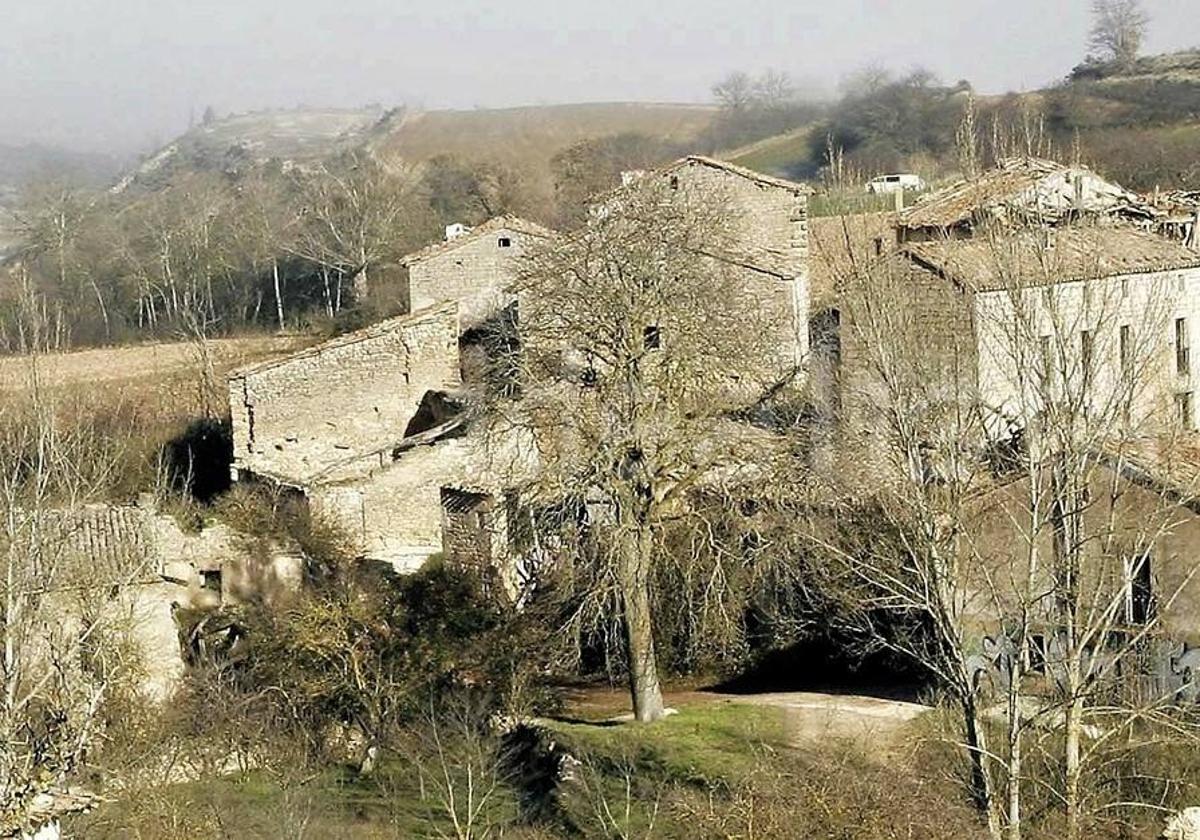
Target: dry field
x=142, y=364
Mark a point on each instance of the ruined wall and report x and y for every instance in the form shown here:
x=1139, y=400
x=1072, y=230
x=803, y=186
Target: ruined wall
x=395, y=511
x=770, y=222
x=297, y=417
x=475, y=272
x=1132, y=518
x=912, y=315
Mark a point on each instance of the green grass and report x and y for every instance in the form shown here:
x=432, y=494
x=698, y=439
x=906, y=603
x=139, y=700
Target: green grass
x=704, y=743
x=705, y=747
x=784, y=155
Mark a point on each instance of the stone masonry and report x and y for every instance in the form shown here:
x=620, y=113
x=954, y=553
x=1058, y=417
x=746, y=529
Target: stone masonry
x=297, y=417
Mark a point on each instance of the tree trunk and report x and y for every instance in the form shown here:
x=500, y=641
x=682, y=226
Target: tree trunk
x=278, y=293
x=635, y=559
x=1073, y=769
x=981, y=782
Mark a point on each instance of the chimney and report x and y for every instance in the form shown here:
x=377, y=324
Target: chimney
x=899, y=196
x=1194, y=239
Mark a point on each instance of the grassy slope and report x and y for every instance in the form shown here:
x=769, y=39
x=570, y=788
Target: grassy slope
x=703, y=746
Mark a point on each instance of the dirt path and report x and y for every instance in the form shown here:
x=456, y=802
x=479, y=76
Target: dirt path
x=811, y=718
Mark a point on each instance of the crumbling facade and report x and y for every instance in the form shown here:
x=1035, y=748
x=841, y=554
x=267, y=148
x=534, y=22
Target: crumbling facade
x=298, y=417
x=369, y=429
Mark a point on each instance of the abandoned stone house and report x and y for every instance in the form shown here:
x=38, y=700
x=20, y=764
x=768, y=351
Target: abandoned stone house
x=369, y=427
x=994, y=290
x=132, y=569
x=768, y=220
x=473, y=266
x=1036, y=283
x=1140, y=540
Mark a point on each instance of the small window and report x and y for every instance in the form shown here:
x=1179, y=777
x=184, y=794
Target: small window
x=674, y=182
x=211, y=580
x=504, y=242
x=1037, y=654
x=1139, y=597
x=1124, y=287
x=1047, y=359
x=652, y=337
x=1183, y=408
x=1086, y=347
x=1126, y=349
x=1183, y=362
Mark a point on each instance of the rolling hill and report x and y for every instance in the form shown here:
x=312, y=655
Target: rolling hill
x=525, y=138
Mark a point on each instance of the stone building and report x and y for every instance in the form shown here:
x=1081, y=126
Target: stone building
x=1141, y=521
x=369, y=427
x=995, y=290
x=769, y=220
x=475, y=267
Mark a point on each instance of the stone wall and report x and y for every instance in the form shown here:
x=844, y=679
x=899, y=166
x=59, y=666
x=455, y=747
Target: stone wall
x=475, y=271
x=297, y=417
x=770, y=229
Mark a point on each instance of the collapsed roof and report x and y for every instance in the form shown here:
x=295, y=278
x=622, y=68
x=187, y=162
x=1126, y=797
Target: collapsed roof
x=1026, y=187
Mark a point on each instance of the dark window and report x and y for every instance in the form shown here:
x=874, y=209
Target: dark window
x=1037, y=654
x=1183, y=409
x=1126, y=342
x=1047, y=360
x=1140, y=604
x=1182, y=350
x=652, y=337
x=674, y=182
x=1086, y=346
x=504, y=242
x=211, y=580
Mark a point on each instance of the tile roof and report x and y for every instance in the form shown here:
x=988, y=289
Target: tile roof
x=1008, y=185
x=492, y=225
x=734, y=169
x=1051, y=255
x=841, y=246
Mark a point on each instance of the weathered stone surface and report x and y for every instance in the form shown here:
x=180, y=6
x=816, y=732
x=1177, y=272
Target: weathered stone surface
x=1183, y=826
x=297, y=417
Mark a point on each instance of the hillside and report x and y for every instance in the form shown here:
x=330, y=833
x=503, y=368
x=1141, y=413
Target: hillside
x=1139, y=124
x=523, y=138
x=300, y=135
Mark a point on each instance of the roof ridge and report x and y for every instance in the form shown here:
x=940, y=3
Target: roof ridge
x=489, y=225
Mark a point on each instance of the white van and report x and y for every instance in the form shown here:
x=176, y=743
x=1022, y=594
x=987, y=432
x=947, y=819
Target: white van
x=887, y=184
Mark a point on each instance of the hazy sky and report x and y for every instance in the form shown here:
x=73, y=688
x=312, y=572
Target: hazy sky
x=124, y=74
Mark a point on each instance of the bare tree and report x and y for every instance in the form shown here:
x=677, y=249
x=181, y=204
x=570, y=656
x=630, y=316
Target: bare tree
x=1118, y=29
x=638, y=346
x=58, y=653
x=736, y=92
x=356, y=215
